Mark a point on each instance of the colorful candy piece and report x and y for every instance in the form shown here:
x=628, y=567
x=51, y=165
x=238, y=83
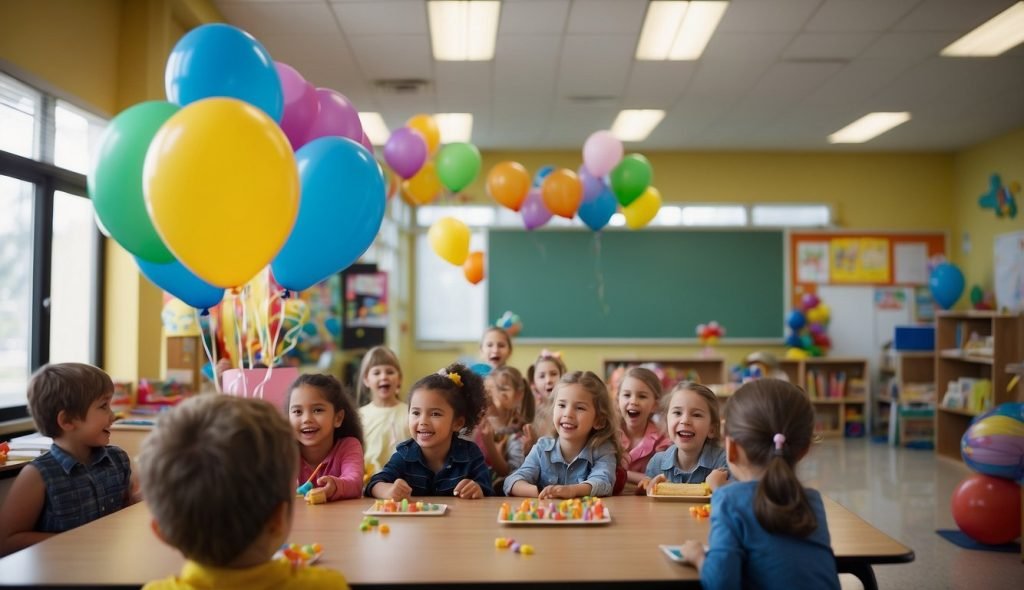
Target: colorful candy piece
x=318, y=496
x=304, y=488
x=384, y=529
x=526, y=549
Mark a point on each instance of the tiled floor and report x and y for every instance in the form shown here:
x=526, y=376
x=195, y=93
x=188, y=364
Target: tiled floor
x=906, y=493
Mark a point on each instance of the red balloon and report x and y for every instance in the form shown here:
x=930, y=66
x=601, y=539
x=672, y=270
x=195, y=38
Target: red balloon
x=987, y=509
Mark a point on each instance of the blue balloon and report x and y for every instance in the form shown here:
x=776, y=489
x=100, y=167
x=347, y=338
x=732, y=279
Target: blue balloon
x=222, y=60
x=179, y=281
x=482, y=369
x=596, y=212
x=796, y=320
x=541, y=174
x=794, y=341
x=340, y=212
x=947, y=284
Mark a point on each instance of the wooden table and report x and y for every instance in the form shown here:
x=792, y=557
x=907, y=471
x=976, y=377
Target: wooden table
x=457, y=548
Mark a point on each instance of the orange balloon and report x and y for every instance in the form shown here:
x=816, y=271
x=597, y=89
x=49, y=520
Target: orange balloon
x=562, y=192
x=473, y=268
x=508, y=183
x=428, y=128
x=422, y=188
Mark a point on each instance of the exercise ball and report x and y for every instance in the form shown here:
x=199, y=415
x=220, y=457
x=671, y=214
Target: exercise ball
x=994, y=442
x=987, y=509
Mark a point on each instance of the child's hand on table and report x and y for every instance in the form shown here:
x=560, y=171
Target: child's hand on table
x=718, y=478
x=693, y=553
x=399, y=490
x=328, y=485
x=556, y=491
x=648, y=485
x=468, y=489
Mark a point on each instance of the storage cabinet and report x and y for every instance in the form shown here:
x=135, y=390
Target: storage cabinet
x=908, y=398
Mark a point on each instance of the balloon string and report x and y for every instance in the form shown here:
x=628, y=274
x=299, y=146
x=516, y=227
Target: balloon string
x=238, y=339
x=245, y=325
x=599, y=275
x=276, y=332
x=210, y=357
x=268, y=354
x=291, y=336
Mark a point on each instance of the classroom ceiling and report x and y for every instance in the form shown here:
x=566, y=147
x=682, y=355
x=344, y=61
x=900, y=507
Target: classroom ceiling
x=776, y=75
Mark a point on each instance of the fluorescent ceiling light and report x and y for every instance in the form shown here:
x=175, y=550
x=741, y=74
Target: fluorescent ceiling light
x=678, y=30
x=462, y=30
x=374, y=128
x=636, y=125
x=455, y=127
x=996, y=36
x=868, y=127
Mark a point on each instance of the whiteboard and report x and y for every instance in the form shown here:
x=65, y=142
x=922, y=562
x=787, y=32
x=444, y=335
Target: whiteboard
x=1009, y=271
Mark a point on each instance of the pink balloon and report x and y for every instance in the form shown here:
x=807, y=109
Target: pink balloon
x=601, y=152
x=367, y=143
x=300, y=105
x=405, y=152
x=337, y=116
x=534, y=213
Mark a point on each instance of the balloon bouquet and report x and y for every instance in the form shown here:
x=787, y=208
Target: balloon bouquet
x=709, y=334
x=986, y=505
x=808, y=328
x=244, y=165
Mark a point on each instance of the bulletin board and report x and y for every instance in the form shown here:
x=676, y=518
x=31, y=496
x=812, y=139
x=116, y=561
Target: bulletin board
x=876, y=259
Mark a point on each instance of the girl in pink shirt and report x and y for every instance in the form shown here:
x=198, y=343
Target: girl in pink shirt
x=327, y=427
x=641, y=437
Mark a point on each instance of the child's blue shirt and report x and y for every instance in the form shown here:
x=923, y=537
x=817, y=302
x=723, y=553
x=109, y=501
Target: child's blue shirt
x=744, y=555
x=464, y=461
x=77, y=493
x=664, y=463
x=545, y=466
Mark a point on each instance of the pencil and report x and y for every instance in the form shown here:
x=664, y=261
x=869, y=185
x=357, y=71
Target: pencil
x=315, y=471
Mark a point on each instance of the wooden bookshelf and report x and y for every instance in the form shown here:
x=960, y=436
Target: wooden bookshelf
x=839, y=389
x=705, y=370
x=955, y=359
x=912, y=390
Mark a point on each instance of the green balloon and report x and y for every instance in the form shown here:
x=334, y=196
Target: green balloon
x=457, y=165
x=977, y=294
x=115, y=182
x=631, y=178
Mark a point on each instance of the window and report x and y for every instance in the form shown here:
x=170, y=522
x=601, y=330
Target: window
x=792, y=215
x=436, y=281
x=714, y=215
x=50, y=259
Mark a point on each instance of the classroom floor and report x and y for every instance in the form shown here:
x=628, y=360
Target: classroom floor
x=906, y=493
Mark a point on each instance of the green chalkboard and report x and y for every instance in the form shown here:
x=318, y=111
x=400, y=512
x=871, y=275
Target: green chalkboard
x=651, y=284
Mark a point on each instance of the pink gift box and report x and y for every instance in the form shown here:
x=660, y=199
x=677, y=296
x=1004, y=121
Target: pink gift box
x=254, y=383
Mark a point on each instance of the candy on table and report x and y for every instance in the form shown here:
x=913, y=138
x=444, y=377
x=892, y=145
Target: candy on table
x=384, y=529
x=300, y=554
x=370, y=522
x=586, y=508
x=515, y=546
x=391, y=505
x=317, y=496
x=702, y=511
x=4, y=450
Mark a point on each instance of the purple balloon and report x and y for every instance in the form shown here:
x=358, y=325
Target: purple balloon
x=535, y=214
x=592, y=185
x=405, y=152
x=337, y=117
x=300, y=105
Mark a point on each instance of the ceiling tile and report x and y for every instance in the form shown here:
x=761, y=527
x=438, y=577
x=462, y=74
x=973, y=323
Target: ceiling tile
x=590, y=17
x=857, y=81
x=909, y=45
x=571, y=124
x=382, y=17
x=835, y=16
x=297, y=50
x=280, y=18
x=595, y=65
x=746, y=46
x=389, y=57
x=657, y=85
x=726, y=80
x=767, y=16
x=463, y=84
x=533, y=17
x=951, y=15
x=828, y=45
x=524, y=66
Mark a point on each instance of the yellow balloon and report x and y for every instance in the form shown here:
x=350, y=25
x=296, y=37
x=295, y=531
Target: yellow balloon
x=222, y=189
x=641, y=211
x=427, y=127
x=449, y=238
x=423, y=187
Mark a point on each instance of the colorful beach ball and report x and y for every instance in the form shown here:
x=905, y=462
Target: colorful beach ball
x=994, y=442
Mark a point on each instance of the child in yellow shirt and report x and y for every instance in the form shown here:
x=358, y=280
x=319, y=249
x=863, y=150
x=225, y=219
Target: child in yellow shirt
x=218, y=474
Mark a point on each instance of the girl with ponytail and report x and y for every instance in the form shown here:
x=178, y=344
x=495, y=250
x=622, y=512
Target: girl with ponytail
x=767, y=530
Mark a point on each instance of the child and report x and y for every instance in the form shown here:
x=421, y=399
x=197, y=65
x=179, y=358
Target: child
x=436, y=461
x=502, y=432
x=384, y=417
x=496, y=346
x=218, y=474
x=544, y=374
x=83, y=477
x=581, y=459
x=767, y=530
x=692, y=418
x=326, y=425
x=638, y=397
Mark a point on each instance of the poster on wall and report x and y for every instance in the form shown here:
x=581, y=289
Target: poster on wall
x=890, y=298
x=366, y=303
x=859, y=260
x=1009, y=271
x=924, y=305
x=911, y=262
x=812, y=262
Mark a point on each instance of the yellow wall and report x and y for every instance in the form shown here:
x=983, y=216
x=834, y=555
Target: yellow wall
x=1004, y=156
x=891, y=191
x=108, y=55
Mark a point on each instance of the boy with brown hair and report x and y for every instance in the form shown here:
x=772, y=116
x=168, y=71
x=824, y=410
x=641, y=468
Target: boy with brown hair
x=218, y=474
x=83, y=477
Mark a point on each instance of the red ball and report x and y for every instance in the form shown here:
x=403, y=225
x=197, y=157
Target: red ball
x=987, y=509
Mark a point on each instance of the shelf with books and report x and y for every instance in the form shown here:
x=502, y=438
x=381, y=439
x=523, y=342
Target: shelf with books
x=839, y=391
x=974, y=348
x=705, y=370
x=911, y=397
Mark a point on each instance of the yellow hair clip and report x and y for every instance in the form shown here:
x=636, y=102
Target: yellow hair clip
x=455, y=377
